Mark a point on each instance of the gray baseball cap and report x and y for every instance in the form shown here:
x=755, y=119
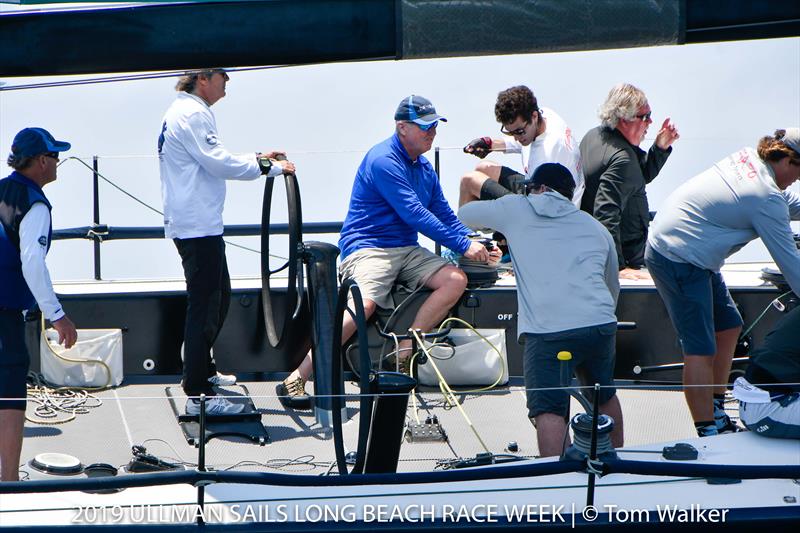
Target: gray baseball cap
x=792, y=139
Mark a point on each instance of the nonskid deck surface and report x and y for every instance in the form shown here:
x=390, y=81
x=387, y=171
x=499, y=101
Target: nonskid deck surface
x=140, y=414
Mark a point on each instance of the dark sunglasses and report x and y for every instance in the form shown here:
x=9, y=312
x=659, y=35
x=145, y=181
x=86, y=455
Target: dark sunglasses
x=644, y=117
x=518, y=131
x=427, y=127
x=52, y=155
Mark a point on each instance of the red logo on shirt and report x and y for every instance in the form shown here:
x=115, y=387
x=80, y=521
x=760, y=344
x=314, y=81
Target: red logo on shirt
x=744, y=166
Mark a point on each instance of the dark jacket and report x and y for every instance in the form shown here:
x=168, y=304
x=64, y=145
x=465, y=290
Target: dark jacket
x=17, y=196
x=616, y=173
x=776, y=363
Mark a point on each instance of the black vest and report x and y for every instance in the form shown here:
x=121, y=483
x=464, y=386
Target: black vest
x=17, y=195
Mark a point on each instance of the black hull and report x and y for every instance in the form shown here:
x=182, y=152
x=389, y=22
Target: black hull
x=152, y=325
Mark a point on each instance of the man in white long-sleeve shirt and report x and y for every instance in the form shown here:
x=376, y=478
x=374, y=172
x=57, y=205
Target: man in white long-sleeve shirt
x=194, y=166
x=25, y=231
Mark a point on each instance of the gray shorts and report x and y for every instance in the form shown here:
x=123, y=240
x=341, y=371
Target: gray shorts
x=697, y=300
x=593, y=356
x=377, y=270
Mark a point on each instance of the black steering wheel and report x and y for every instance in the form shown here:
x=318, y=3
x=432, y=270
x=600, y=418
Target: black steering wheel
x=294, y=288
x=365, y=363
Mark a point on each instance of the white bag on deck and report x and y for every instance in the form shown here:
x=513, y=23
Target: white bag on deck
x=76, y=367
x=474, y=361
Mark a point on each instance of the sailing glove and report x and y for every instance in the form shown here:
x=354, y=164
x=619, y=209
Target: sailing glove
x=479, y=147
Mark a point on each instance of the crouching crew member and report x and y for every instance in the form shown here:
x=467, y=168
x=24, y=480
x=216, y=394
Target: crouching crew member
x=567, y=288
x=772, y=408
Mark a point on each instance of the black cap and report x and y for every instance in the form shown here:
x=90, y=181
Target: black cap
x=555, y=176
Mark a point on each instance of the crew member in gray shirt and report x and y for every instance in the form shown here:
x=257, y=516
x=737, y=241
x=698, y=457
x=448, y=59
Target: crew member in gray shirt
x=567, y=289
x=703, y=222
x=616, y=172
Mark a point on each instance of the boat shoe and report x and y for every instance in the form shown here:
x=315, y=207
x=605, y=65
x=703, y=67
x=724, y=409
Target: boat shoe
x=292, y=393
x=393, y=364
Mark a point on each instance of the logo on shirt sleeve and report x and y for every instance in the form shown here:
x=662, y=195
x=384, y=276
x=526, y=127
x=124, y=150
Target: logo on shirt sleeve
x=211, y=139
x=43, y=240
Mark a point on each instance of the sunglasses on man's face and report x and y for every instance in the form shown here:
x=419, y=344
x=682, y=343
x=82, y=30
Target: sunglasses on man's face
x=644, y=117
x=52, y=155
x=427, y=127
x=516, y=132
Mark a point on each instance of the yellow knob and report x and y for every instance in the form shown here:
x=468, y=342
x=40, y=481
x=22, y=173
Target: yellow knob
x=564, y=356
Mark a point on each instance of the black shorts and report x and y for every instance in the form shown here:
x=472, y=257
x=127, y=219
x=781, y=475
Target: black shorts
x=593, y=351
x=509, y=183
x=14, y=360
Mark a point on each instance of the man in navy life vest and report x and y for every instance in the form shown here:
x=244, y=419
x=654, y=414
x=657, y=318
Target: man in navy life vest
x=25, y=231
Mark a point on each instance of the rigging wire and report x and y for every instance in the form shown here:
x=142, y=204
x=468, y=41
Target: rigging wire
x=125, y=77
x=169, y=74
x=150, y=207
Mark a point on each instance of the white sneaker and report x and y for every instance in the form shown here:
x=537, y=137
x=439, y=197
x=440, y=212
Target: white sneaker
x=222, y=379
x=215, y=406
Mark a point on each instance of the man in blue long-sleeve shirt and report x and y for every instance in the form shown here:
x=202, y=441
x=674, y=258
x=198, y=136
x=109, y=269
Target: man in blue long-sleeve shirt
x=396, y=195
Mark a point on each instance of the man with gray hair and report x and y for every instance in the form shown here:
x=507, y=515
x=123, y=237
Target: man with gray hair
x=194, y=167
x=616, y=171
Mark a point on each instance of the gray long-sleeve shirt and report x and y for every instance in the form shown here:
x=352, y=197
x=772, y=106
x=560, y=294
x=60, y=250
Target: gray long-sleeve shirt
x=716, y=213
x=565, y=261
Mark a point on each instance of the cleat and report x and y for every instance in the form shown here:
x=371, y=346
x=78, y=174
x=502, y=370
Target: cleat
x=222, y=379
x=215, y=406
x=292, y=393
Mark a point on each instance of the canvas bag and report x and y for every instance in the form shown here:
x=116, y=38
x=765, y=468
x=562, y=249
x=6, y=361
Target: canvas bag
x=93, y=344
x=474, y=362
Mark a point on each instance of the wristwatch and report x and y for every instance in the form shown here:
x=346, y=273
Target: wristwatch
x=264, y=163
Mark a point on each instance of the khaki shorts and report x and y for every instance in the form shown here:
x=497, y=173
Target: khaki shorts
x=376, y=270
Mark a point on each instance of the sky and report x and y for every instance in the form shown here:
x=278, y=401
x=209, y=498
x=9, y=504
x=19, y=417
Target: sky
x=722, y=96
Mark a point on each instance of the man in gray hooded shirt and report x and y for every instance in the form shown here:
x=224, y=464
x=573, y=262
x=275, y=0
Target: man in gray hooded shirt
x=567, y=289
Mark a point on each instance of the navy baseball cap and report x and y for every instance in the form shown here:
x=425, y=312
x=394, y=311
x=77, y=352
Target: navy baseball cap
x=555, y=176
x=418, y=110
x=34, y=141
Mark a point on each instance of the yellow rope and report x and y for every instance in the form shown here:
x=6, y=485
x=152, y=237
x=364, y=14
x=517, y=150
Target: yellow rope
x=448, y=391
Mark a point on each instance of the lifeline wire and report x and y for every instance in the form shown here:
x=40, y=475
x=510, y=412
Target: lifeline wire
x=148, y=206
